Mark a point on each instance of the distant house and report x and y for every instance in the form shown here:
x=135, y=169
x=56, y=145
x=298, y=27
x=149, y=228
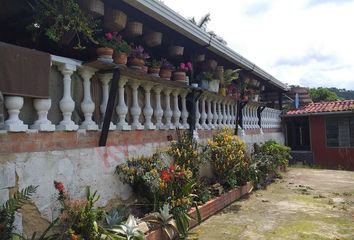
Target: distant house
x=322, y=133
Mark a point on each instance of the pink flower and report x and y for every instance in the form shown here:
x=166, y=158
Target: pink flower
x=109, y=36
x=189, y=66
x=182, y=65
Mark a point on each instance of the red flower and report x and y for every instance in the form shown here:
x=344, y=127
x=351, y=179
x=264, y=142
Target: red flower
x=172, y=168
x=165, y=176
x=59, y=186
x=109, y=36
x=181, y=174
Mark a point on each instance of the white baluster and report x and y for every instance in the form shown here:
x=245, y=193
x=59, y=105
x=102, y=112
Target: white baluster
x=148, y=111
x=197, y=115
x=158, y=113
x=215, y=114
x=67, y=105
x=42, y=107
x=167, y=114
x=13, y=123
x=253, y=117
x=87, y=105
x=176, y=111
x=184, y=111
x=203, y=114
x=224, y=115
x=210, y=114
x=229, y=114
x=135, y=109
x=122, y=109
x=232, y=106
x=105, y=79
x=220, y=118
x=245, y=117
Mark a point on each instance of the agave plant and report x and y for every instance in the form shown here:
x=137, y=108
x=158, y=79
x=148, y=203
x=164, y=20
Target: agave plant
x=128, y=231
x=115, y=217
x=163, y=219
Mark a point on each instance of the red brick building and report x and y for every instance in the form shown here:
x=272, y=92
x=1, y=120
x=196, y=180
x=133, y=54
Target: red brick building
x=323, y=133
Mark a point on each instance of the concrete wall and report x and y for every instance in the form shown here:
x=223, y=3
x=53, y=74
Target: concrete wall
x=78, y=168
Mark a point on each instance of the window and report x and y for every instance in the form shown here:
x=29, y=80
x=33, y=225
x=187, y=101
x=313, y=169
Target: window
x=340, y=132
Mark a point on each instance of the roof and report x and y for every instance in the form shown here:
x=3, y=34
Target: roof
x=170, y=18
x=323, y=108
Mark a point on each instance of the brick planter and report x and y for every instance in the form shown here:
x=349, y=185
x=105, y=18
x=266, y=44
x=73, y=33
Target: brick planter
x=209, y=208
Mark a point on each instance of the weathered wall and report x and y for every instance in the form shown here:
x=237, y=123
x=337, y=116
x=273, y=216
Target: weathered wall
x=79, y=167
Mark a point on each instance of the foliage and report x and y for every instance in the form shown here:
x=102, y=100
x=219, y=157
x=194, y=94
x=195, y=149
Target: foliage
x=115, y=41
x=184, y=152
x=343, y=93
x=202, y=22
x=79, y=217
x=165, y=64
x=55, y=18
x=115, y=217
x=163, y=219
x=10, y=207
x=279, y=152
x=129, y=231
x=230, y=75
x=322, y=95
x=138, y=52
x=227, y=155
x=154, y=63
x=209, y=76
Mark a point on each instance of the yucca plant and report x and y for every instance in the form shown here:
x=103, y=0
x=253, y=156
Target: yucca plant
x=8, y=210
x=163, y=219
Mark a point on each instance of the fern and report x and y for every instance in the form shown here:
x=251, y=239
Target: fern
x=8, y=210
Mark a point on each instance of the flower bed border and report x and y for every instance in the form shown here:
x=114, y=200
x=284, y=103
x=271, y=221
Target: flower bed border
x=209, y=208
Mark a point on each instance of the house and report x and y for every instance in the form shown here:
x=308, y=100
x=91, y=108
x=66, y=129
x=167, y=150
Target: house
x=54, y=134
x=322, y=133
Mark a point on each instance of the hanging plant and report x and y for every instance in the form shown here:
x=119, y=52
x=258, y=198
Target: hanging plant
x=62, y=21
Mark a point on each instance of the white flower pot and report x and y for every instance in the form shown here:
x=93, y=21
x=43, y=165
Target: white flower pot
x=214, y=85
x=204, y=84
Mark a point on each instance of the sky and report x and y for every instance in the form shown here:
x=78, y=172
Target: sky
x=300, y=42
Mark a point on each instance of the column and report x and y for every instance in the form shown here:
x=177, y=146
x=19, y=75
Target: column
x=14, y=123
x=67, y=105
x=105, y=79
x=135, y=109
x=122, y=109
x=197, y=116
x=42, y=107
x=184, y=113
x=176, y=111
x=203, y=114
x=167, y=114
x=158, y=113
x=220, y=119
x=148, y=111
x=224, y=115
x=215, y=114
x=210, y=114
x=87, y=105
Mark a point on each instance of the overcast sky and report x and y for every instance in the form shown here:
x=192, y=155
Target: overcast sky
x=302, y=42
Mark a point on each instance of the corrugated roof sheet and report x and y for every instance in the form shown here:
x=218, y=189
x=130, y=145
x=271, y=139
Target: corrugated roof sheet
x=323, y=107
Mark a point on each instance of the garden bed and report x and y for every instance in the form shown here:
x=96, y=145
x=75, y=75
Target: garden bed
x=209, y=208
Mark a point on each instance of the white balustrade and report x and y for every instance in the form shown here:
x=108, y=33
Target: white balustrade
x=221, y=116
x=87, y=105
x=67, y=104
x=105, y=79
x=229, y=117
x=42, y=107
x=148, y=111
x=203, y=114
x=210, y=114
x=135, y=109
x=197, y=116
x=176, y=112
x=158, y=112
x=122, y=109
x=184, y=113
x=215, y=114
x=167, y=114
x=14, y=123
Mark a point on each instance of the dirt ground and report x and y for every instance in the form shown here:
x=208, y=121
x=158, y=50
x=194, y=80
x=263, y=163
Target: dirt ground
x=305, y=204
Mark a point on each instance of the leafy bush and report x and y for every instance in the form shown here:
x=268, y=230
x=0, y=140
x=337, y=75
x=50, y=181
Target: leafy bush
x=227, y=154
x=279, y=152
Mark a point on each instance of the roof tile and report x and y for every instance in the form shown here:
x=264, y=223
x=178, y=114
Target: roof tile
x=321, y=107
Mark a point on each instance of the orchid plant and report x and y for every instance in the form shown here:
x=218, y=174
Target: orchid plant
x=165, y=64
x=185, y=67
x=115, y=41
x=138, y=52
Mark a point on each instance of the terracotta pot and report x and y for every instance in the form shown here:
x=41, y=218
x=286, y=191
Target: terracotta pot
x=245, y=98
x=154, y=71
x=179, y=76
x=120, y=58
x=165, y=73
x=104, y=52
x=145, y=69
x=136, y=62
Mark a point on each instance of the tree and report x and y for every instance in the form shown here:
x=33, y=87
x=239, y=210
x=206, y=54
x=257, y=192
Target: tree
x=323, y=95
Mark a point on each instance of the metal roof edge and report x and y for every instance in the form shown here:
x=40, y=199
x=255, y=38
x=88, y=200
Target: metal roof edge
x=169, y=17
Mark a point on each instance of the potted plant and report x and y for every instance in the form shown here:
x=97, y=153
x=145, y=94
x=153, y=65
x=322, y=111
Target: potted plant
x=106, y=47
x=62, y=21
x=154, y=67
x=137, y=57
x=181, y=71
x=121, y=50
x=206, y=77
x=166, y=69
